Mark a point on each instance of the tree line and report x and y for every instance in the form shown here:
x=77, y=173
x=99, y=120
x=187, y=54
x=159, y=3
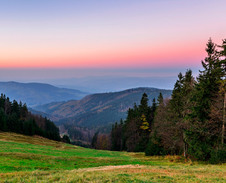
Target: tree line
x=15, y=117
x=191, y=122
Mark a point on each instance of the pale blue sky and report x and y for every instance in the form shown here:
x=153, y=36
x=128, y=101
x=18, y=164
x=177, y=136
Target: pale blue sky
x=46, y=40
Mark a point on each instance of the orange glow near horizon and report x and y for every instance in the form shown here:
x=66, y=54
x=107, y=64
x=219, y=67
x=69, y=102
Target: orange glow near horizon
x=159, y=56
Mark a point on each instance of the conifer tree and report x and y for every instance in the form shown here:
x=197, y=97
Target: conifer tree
x=160, y=99
x=203, y=135
x=155, y=146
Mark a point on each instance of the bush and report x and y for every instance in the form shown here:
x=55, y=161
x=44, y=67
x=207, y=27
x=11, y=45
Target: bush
x=154, y=147
x=218, y=156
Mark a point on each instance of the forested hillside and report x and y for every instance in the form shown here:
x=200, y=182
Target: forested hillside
x=98, y=109
x=97, y=112
x=15, y=117
x=191, y=123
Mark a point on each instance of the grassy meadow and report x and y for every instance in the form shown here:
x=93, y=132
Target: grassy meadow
x=36, y=159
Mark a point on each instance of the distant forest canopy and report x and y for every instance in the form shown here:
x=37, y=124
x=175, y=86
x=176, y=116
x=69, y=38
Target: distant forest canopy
x=16, y=118
x=191, y=123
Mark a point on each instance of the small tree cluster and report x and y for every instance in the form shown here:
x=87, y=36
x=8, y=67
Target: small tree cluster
x=133, y=133
x=101, y=141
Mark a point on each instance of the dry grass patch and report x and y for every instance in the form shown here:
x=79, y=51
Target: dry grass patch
x=126, y=173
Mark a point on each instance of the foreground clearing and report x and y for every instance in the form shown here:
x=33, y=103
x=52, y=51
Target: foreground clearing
x=35, y=159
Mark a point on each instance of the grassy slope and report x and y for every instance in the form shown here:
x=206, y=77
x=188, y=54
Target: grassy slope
x=35, y=159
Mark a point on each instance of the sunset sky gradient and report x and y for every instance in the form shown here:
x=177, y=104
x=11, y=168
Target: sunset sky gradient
x=83, y=34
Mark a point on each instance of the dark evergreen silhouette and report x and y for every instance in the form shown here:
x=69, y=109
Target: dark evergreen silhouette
x=133, y=133
x=206, y=133
x=16, y=118
x=66, y=139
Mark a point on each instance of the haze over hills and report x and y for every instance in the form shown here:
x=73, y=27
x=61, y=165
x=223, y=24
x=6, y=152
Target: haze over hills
x=99, y=84
x=38, y=93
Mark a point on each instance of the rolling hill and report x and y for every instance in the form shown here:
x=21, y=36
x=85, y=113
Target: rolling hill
x=38, y=93
x=99, y=109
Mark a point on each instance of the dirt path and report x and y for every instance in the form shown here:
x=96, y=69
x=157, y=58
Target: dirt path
x=108, y=168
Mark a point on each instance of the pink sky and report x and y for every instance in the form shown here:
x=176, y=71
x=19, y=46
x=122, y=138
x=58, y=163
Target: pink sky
x=125, y=34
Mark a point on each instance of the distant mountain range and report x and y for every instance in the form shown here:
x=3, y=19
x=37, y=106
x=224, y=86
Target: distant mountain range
x=38, y=93
x=100, y=84
x=98, y=110
x=76, y=113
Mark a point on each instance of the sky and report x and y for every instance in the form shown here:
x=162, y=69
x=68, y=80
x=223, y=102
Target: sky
x=54, y=39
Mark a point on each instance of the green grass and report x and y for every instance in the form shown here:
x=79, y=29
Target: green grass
x=35, y=159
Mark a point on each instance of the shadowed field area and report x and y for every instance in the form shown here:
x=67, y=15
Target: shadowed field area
x=36, y=159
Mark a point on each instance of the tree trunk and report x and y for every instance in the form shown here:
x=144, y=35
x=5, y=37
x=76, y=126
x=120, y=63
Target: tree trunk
x=185, y=146
x=223, y=125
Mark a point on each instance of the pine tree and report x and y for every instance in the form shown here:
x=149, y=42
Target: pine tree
x=160, y=99
x=203, y=135
x=94, y=140
x=66, y=139
x=143, y=107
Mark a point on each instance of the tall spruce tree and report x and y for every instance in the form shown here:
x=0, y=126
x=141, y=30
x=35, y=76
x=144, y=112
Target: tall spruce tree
x=160, y=99
x=180, y=108
x=203, y=135
x=154, y=146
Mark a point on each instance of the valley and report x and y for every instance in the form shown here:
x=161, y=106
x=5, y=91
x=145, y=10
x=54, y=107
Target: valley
x=96, y=112
x=77, y=113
